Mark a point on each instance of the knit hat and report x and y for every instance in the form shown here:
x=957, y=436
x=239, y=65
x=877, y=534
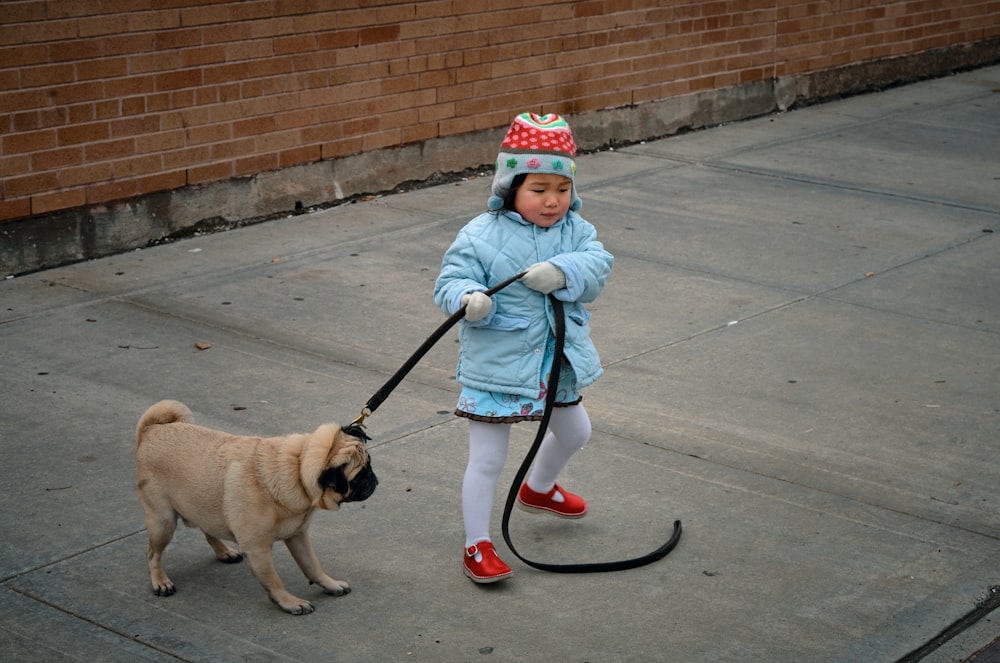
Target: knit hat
x=534, y=144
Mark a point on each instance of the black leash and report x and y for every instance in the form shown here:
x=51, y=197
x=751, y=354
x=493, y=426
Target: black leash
x=379, y=396
x=357, y=428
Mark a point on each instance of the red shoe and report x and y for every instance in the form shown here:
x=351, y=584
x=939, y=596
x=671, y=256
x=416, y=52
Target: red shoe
x=572, y=505
x=489, y=568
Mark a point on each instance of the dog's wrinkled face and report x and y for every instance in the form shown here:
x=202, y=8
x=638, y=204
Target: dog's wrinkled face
x=362, y=485
x=356, y=489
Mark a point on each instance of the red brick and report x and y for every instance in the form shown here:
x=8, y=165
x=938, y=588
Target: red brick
x=336, y=39
x=178, y=79
x=10, y=79
x=321, y=133
x=111, y=149
x=183, y=158
x=269, y=26
x=161, y=182
x=57, y=200
x=205, y=15
x=277, y=141
x=84, y=174
x=96, y=26
x=341, y=147
x=201, y=55
x=24, y=121
x=154, y=20
x=160, y=141
x=104, y=68
x=133, y=106
x=83, y=133
x=420, y=132
x=136, y=165
x=24, y=55
x=57, y=158
x=47, y=75
x=253, y=126
x=31, y=141
x=14, y=164
x=28, y=185
x=257, y=163
x=48, y=30
x=376, y=35
x=20, y=12
x=208, y=134
x=129, y=86
x=232, y=148
x=135, y=126
x=81, y=113
x=108, y=191
x=14, y=209
x=249, y=50
x=151, y=62
x=298, y=155
x=177, y=39
x=209, y=173
x=225, y=73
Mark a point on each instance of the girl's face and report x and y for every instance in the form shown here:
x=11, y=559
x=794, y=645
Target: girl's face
x=543, y=199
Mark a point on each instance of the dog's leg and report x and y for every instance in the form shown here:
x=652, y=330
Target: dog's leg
x=258, y=557
x=223, y=553
x=300, y=545
x=160, y=529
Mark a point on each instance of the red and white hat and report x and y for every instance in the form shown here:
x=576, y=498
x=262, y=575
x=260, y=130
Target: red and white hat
x=534, y=144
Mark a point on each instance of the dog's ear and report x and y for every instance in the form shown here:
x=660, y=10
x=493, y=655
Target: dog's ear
x=335, y=479
x=358, y=431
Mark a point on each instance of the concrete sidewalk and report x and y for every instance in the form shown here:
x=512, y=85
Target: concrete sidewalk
x=801, y=338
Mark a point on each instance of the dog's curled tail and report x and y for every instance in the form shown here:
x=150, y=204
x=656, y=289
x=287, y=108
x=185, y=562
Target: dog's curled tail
x=164, y=412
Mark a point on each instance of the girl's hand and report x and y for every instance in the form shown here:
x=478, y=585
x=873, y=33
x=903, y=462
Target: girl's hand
x=477, y=305
x=544, y=277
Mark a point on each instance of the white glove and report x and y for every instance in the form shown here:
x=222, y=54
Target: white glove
x=544, y=277
x=477, y=305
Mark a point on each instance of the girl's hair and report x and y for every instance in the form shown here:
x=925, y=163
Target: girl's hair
x=508, y=200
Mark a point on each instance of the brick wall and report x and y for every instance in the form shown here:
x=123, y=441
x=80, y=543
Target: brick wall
x=102, y=101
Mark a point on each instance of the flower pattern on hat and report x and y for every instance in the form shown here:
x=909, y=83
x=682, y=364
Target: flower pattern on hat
x=537, y=144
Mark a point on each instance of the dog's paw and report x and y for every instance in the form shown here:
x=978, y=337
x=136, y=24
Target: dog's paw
x=230, y=557
x=300, y=607
x=334, y=587
x=164, y=588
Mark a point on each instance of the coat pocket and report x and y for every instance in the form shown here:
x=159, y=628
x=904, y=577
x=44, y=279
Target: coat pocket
x=577, y=314
x=505, y=322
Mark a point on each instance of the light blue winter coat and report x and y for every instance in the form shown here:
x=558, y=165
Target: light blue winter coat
x=503, y=352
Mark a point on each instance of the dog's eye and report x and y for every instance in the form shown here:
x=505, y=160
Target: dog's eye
x=335, y=479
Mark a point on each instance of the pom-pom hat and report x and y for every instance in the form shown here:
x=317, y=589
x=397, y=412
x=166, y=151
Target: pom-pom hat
x=534, y=144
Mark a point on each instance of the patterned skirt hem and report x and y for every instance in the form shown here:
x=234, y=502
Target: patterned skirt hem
x=511, y=419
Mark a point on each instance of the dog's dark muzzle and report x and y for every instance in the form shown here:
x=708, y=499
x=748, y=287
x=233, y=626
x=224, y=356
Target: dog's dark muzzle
x=362, y=485
x=364, y=482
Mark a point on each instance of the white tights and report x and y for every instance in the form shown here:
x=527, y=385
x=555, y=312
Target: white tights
x=569, y=430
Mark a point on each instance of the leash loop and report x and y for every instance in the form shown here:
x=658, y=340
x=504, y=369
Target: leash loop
x=550, y=401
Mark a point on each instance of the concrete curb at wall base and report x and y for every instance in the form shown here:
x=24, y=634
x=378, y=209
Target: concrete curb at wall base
x=85, y=233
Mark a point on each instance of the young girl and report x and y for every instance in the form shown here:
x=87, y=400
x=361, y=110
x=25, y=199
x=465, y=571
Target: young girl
x=507, y=341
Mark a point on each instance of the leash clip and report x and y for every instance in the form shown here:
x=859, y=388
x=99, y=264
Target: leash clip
x=360, y=421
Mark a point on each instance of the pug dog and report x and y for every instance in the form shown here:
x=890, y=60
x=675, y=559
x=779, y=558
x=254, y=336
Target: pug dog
x=249, y=490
